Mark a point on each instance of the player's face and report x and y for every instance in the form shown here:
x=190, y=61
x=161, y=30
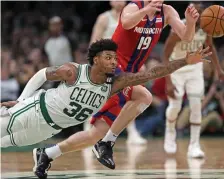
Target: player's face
x=55, y=27
x=107, y=61
x=117, y=5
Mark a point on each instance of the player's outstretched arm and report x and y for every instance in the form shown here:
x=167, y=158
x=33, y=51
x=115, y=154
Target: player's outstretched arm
x=133, y=79
x=185, y=32
x=66, y=72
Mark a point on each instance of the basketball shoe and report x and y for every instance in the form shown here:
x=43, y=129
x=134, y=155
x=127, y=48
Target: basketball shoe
x=104, y=153
x=42, y=163
x=194, y=151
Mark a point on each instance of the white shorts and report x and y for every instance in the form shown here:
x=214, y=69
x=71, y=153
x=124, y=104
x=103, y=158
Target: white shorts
x=191, y=82
x=26, y=124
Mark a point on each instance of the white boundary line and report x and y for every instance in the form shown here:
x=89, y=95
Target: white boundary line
x=155, y=172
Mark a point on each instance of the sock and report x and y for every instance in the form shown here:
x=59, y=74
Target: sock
x=170, y=125
x=110, y=136
x=195, y=134
x=53, y=152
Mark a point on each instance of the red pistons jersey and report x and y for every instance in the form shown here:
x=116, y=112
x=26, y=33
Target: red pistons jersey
x=135, y=45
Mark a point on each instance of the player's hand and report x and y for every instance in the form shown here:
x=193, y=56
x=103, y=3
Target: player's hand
x=191, y=14
x=198, y=56
x=170, y=90
x=9, y=104
x=153, y=6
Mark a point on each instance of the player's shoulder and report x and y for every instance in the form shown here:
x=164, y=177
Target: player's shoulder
x=131, y=7
x=104, y=15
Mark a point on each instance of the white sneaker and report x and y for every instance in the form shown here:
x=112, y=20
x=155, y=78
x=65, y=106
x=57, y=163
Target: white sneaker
x=194, y=151
x=136, y=140
x=170, y=145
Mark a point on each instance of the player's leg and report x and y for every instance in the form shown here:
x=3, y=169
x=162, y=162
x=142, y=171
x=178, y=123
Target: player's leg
x=15, y=120
x=26, y=125
x=133, y=135
x=4, y=121
x=28, y=136
x=194, y=96
x=81, y=140
x=172, y=112
x=140, y=99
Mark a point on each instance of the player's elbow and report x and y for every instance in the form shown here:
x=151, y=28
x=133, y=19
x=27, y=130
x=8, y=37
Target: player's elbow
x=126, y=26
x=126, y=23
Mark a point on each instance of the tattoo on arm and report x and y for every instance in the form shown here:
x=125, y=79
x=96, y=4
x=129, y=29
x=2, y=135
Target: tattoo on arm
x=132, y=79
x=52, y=74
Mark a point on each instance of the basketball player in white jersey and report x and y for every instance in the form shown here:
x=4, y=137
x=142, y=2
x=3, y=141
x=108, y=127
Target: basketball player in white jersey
x=104, y=27
x=189, y=79
x=84, y=139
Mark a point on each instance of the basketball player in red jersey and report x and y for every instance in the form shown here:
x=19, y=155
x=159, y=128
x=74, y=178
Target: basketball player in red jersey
x=140, y=26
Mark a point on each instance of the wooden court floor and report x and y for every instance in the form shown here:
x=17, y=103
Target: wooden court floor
x=132, y=162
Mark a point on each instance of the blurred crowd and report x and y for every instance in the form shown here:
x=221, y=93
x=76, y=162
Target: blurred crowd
x=33, y=37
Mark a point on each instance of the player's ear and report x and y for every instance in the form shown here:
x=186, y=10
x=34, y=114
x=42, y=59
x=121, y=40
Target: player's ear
x=95, y=60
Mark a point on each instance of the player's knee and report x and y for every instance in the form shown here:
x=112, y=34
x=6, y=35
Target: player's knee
x=195, y=106
x=173, y=110
x=146, y=98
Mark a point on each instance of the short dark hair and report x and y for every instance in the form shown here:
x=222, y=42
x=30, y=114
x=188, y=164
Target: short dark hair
x=99, y=46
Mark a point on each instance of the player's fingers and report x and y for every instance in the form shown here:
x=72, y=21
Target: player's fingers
x=194, y=14
x=205, y=60
x=206, y=54
x=190, y=7
x=205, y=50
x=199, y=49
x=193, y=11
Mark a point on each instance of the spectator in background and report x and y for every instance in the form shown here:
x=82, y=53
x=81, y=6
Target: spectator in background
x=9, y=84
x=57, y=47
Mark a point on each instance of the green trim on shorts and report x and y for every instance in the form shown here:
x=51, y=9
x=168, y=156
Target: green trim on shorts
x=13, y=117
x=45, y=113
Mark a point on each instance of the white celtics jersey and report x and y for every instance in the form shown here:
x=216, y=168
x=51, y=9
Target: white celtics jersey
x=69, y=105
x=111, y=25
x=181, y=48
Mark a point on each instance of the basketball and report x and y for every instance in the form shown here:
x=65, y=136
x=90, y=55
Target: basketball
x=212, y=21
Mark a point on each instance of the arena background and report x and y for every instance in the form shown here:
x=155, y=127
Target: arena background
x=24, y=32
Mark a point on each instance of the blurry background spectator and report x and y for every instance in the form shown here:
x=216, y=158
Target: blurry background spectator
x=57, y=47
